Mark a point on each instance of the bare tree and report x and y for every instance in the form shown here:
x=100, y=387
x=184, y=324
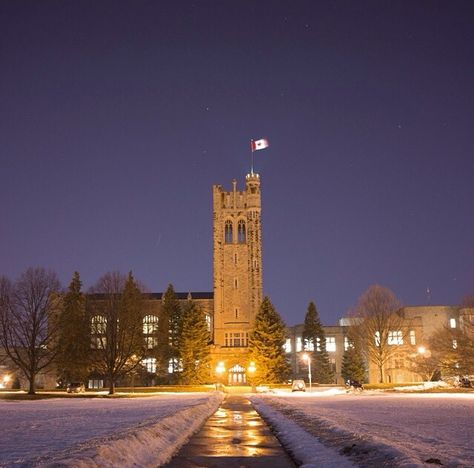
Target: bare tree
x=453, y=350
x=116, y=326
x=28, y=321
x=378, y=326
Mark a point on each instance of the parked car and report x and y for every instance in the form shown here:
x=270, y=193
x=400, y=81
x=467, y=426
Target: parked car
x=354, y=386
x=75, y=387
x=463, y=382
x=298, y=386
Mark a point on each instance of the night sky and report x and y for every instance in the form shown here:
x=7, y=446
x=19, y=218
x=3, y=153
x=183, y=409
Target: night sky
x=116, y=118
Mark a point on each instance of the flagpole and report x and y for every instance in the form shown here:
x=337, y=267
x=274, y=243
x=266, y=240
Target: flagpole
x=251, y=160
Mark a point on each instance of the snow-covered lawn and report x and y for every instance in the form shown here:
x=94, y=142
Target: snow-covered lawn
x=100, y=432
x=374, y=429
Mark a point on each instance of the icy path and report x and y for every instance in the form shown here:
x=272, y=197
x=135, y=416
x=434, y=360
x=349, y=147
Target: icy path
x=381, y=429
x=100, y=432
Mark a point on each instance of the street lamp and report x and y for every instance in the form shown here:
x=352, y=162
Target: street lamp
x=307, y=358
x=220, y=369
x=251, y=369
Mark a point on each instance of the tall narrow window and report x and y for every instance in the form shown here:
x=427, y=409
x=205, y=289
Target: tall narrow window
x=228, y=232
x=150, y=330
x=299, y=344
x=308, y=344
x=98, y=332
x=331, y=344
x=241, y=232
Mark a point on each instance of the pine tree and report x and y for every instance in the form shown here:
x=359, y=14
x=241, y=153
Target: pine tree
x=353, y=366
x=73, y=358
x=194, y=346
x=168, y=332
x=314, y=340
x=266, y=346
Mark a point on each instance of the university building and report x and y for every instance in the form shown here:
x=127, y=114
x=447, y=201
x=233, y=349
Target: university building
x=237, y=294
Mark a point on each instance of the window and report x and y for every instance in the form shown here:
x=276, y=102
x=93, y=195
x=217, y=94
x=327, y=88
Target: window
x=98, y=325
x=228, y=236
x=208, y=322
x=347, y=343
x=235, y=259
x=150, y=365
x=150, y=329
x=395, y=337
x=412, y=337
x=287, y=345
x=236, y=313
x=452, y=323
x=236, y=339
x=299, y=344
x=95, y=383
x=98, y=330
x=455, y=344
x=150, y=324
x=377, y=338
x=236, y=283
x=175, y=365
x=308, y=344
x=241, y=232
x=331, y=344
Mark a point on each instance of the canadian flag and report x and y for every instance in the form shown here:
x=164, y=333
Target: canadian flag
x=259, y=144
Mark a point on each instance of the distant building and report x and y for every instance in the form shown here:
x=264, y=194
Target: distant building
x=421, y=322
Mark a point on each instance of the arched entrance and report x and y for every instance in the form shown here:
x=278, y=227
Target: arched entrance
x=236, y=375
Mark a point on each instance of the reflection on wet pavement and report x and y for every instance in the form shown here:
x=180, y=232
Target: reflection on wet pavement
x=234, y=436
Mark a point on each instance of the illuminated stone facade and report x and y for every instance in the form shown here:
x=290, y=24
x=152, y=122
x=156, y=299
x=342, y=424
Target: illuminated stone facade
x=237, y=274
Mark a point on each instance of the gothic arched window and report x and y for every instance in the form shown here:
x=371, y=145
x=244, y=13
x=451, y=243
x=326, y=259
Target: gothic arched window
x=98, y=331
x=241, y=232
x=150, y=329
x=228, y=238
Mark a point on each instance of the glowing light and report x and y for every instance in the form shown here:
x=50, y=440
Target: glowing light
x=220, y=368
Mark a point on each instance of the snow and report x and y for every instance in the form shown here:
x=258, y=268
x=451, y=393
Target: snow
x=83, y=432
x=373, y=429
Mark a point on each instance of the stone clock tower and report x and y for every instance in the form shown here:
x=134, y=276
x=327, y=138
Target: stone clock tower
x=237, y=252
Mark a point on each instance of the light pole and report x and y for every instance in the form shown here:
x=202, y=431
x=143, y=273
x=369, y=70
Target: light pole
x=307, y=358
x=220, y=369
x=251, y=369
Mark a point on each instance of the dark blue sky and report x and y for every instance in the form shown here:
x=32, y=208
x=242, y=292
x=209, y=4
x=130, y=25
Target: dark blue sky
x=117, y=117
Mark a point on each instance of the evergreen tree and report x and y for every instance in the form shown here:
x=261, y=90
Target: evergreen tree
x=353, y=366
x=314, y=340
x=266, y=346
x=168, y=333
x=194, y=346
x=73, y=358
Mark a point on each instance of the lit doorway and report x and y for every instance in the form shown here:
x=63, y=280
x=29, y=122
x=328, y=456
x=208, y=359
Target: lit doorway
x=237, y=375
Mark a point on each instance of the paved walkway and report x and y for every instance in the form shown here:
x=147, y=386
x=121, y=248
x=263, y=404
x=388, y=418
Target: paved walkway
x=234, y=436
